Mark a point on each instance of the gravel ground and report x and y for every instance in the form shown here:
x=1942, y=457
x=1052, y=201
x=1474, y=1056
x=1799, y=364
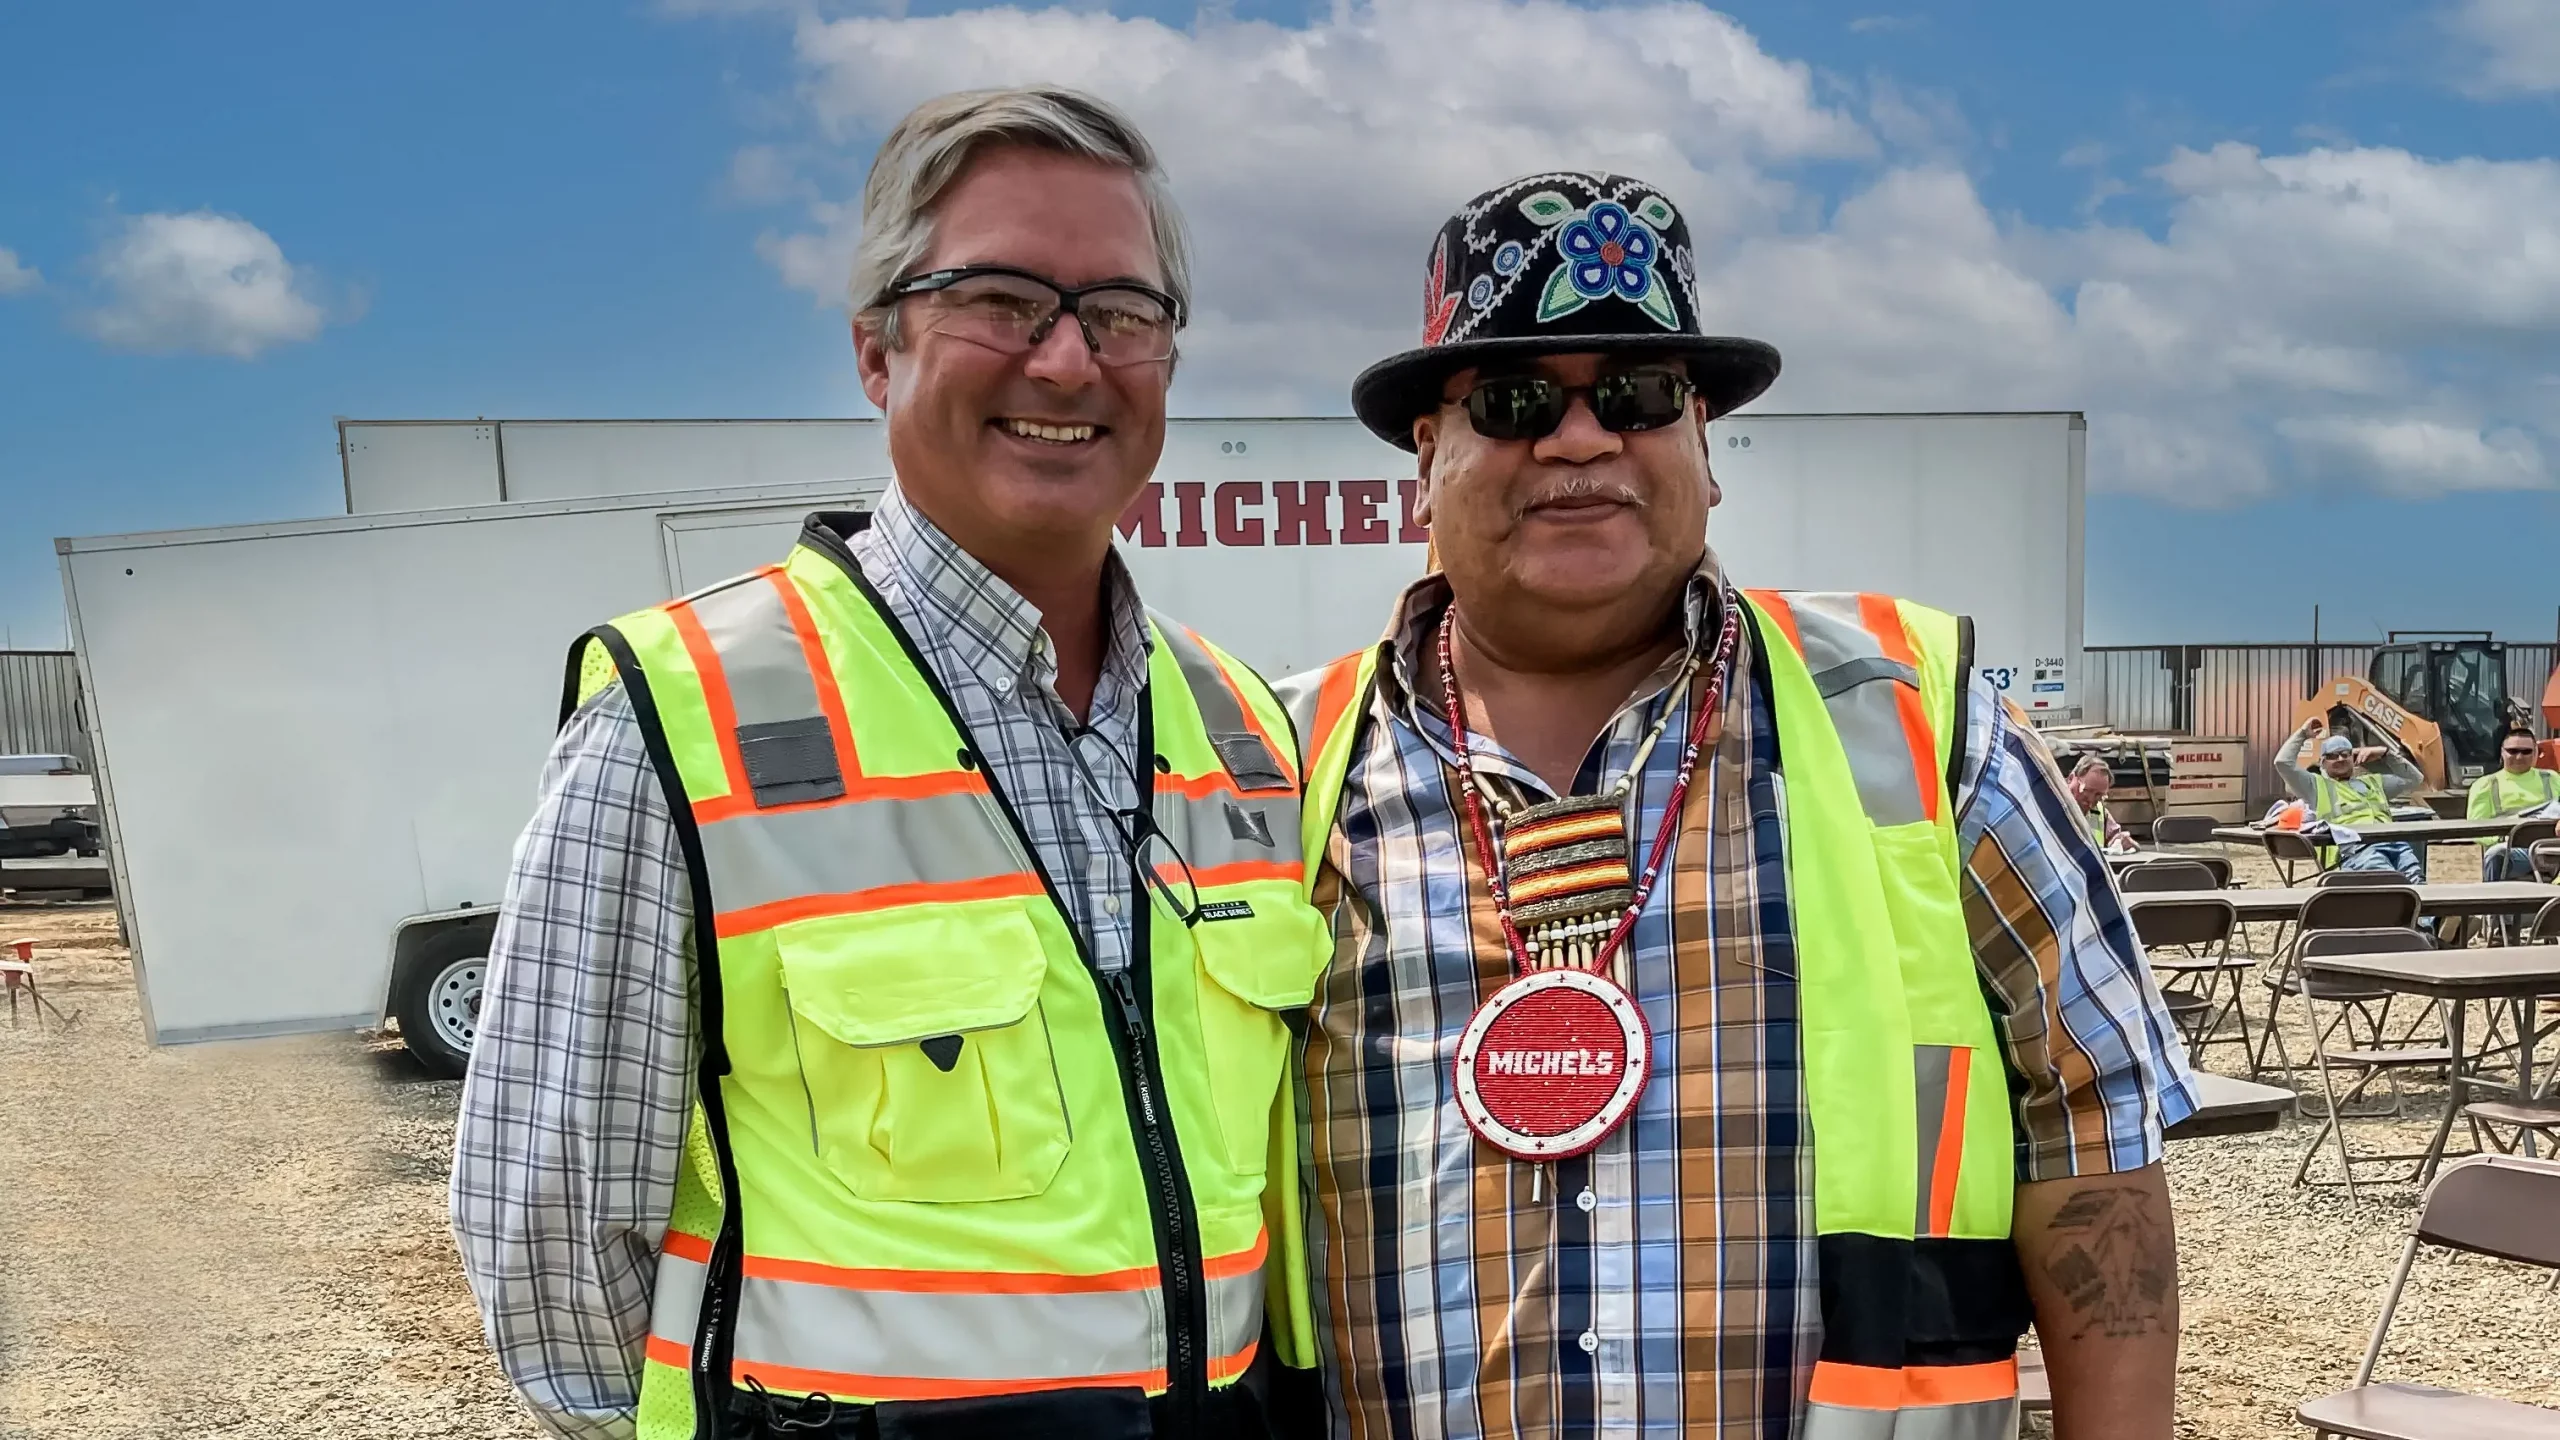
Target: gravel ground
x=249, y=1239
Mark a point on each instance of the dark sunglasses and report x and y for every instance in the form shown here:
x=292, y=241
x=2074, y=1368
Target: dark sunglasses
x=2527, y=753
x=1530, y=407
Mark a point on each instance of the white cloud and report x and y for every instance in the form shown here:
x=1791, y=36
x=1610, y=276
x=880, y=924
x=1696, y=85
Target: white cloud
x=202, y=282
x=15, y=277
x=2508, y=47
x=2414, y=457
x=2420, y=296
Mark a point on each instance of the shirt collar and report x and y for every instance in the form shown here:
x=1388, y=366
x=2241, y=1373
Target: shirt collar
x=1415, y=628
x=996, y=633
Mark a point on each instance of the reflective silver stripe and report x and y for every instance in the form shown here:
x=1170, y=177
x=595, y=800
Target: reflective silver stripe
x=1980, y=1420
x=991, y=1335
x=1930, y=1065
x=1231, y=732
x=1225, y=828
x=760, y=653
x=675, y=1308
x=1856, y=679
x=1861, y=670
x=1298, y=695
x=765, y=856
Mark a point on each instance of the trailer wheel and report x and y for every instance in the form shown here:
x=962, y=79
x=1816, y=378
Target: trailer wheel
x=436, y=997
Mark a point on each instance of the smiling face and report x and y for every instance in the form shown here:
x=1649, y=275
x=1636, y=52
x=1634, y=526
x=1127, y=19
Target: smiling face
x=2339, y=766
x=1026, y=459
x=1575, y=523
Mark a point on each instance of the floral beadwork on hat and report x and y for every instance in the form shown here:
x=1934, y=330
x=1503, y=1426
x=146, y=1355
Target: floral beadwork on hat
x=1608, y=252
x=1560, y=262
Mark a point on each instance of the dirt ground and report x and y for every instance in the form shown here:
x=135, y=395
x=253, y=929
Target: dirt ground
x=249, y=1239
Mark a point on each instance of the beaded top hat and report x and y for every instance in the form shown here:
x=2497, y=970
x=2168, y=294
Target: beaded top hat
x=1559, y=263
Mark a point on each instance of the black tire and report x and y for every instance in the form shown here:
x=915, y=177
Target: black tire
x=435, y=995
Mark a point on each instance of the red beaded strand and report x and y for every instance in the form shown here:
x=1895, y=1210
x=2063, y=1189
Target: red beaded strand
x=1707, y=705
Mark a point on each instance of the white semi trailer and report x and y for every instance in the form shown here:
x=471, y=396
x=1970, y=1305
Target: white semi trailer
x=401, y=664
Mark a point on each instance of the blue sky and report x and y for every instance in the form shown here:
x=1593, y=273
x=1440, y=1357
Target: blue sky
x=2299, y=261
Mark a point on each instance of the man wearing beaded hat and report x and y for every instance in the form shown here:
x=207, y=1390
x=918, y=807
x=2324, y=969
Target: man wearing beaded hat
x=1730, y=1031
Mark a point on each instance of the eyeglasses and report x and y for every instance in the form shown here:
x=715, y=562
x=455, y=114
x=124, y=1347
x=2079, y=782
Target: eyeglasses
x=1530, y=407
x=1011, y=311
x=2515, y=754
x=1151, y=852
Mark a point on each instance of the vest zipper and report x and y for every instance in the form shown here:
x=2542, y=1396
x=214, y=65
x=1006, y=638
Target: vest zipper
x=1177, y=1247
x=1178, y=1264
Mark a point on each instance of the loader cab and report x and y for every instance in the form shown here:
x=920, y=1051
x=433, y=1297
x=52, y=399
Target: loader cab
x=2458, y=681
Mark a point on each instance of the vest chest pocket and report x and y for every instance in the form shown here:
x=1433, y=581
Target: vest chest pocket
x=1253, y=969
x=876, y=1003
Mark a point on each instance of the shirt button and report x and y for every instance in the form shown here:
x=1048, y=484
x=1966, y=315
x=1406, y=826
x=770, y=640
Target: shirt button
x=1110, y=904
x=1586, y=1201
x=1004, y=687
x=1590, y=1342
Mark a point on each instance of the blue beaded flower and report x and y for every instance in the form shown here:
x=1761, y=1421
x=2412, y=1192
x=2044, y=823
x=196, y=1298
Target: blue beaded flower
x=1608, y=249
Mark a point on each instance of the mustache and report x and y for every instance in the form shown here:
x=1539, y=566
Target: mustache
x=1577, y=487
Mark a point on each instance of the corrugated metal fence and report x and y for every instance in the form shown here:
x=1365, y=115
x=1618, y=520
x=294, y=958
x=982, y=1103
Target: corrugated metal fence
x=40, y=705
x=2243, y=690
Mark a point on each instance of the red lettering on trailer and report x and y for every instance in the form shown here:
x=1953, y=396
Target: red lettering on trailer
x=1143, y=521
x=1299, y=513
x=1361, y=522
x=1408, y=530
x=1186, y=506
x=1226, y=507
x=1248, y=515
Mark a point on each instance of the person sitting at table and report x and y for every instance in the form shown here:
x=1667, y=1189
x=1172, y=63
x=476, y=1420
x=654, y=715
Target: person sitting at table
x=2090, y=780
x=2345, y=794
x=2511, y=789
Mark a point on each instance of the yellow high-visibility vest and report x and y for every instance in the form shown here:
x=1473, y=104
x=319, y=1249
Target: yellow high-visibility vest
x=935, y=1154
x=1914, y=1171
x=2499, y=793
x=2356, y=800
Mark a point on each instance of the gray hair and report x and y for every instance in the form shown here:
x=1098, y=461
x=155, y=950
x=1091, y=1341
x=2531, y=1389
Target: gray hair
x=2088, y=762
x=929, y=148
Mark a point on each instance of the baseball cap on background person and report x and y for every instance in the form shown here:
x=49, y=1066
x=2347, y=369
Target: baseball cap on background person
x=1565, y=262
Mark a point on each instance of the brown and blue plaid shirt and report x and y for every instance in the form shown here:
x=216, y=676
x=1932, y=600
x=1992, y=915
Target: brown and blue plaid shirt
x=1663, y=1284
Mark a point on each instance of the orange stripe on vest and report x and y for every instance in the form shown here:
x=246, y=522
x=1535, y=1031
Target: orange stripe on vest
x=1883, y=620
x=1872, y=1387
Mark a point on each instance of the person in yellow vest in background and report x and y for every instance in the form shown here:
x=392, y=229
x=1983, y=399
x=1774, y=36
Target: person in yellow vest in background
x=1731, y=1032
x=2511, y=789
x=2090, y=781
x=888, y=1012
x=2343, y=792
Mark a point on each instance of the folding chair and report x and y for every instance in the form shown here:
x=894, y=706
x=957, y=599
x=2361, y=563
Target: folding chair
x=2347, y=879
x=2369, y=1062
x=2546, y=859
x=2546, y=925
x=2153, y=876
x=18, y=975
x=2494, y=1205
x=2288, y=849
x=2200, y=931
x=2345, y=907
x=2182, y=830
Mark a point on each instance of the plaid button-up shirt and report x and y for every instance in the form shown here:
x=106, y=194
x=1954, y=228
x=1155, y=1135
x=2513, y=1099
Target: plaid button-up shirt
x=1664, y=1284
x=582, y=1075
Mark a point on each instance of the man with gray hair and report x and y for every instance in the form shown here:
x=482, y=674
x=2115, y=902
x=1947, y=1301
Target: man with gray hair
x=883, y=1035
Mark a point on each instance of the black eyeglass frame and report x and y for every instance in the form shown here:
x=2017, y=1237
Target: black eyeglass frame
x=1135, y=843
x=1069, y=298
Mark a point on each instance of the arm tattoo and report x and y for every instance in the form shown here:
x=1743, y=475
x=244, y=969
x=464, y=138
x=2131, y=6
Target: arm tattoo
x=2113, y=1261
